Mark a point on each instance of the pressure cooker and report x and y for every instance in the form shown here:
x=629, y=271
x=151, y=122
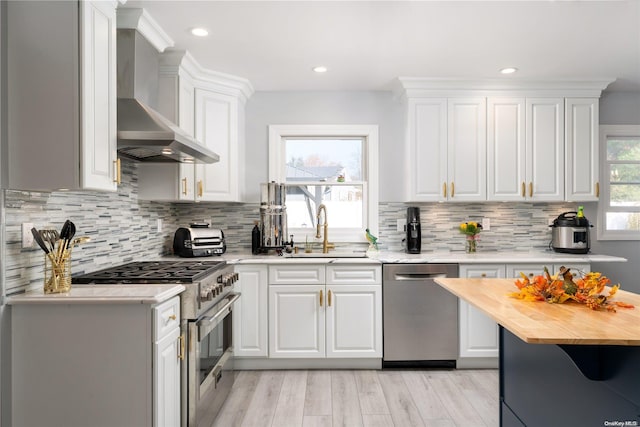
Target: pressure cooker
x=570, y=234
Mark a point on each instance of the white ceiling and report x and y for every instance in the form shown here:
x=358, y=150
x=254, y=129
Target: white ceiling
x=367, y=44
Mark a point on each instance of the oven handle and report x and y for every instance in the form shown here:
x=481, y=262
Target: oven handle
x=207, y=323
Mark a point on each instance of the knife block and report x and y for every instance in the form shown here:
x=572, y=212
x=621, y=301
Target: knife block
x=57, y=275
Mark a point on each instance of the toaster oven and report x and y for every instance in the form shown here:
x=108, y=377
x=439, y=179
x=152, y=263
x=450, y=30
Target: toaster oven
x=198, y=240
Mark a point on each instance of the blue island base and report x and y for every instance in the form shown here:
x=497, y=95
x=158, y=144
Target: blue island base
x=547, y=385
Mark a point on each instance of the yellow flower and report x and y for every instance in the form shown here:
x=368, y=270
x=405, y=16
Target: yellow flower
x=463, y=227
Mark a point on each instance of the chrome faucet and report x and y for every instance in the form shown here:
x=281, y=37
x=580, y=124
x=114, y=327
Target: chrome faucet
x=325, y=241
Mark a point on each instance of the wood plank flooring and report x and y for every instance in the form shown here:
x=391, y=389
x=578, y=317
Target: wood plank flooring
x=367, y=398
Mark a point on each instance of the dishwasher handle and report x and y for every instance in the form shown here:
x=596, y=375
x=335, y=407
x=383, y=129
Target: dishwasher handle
x=418, y=276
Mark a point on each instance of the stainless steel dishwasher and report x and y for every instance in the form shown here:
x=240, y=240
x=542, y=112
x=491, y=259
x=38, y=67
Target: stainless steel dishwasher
x=420, y=318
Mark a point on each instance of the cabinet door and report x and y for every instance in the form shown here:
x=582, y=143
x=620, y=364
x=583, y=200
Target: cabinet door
x=529, y=270
x=545, y=149
x=296, y=321
x=98, y=95
x=478, y=333
x=250, y=315
x=216, y=121
x=576, y=269
x=354, y=321
x=582, y=149
x=506, y=160
x=467, y=148
x=166, y=385
x=427, y=149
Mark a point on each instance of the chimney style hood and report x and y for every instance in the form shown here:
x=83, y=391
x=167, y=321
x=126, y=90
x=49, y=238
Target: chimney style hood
x=144, y=134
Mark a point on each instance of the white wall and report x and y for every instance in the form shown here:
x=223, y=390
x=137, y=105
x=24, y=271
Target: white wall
x=620, y=108
x=280, y=108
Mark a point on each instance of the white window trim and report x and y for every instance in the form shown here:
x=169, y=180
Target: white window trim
x=277, y=134
x=607, y=131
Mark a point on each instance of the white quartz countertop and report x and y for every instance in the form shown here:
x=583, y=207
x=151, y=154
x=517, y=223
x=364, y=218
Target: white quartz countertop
x=102, y=294
x=541, y=257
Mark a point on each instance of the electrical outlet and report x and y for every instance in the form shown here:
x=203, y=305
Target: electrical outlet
x=159, y=225
x=401, y=224
x=27, y=237
x=486, y=224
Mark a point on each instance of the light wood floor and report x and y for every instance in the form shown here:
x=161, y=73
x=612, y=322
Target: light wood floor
x=399, y=398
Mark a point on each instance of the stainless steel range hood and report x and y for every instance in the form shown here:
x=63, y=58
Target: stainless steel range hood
x=144, y=134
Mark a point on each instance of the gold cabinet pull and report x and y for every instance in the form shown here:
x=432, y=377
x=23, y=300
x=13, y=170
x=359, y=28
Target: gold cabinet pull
x=444, y=190
x=483, y=275
x=184, y=186
x=524, y=189
x=531, y=189
x=172, y=317
x=117, y=172
x=321, y=299
x=453, y=190
x=181, y=347
x=200, y=188
x=329, y=296
x=597, y=189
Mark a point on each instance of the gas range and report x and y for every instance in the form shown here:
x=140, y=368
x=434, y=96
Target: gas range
x=206, y=282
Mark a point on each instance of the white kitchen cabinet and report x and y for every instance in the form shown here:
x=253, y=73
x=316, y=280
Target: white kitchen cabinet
x=525, y=158
x=466, y=149
x=339, y=319
x=478, y=332
x=220, y=126
x=251, y=314
x=582, y=149
x=115, y=364
x=61, y=59
x=446, y=149
x=545, y=149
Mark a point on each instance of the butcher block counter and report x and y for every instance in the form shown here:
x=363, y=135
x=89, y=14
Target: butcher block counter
x=561, y=364
x=542, y=323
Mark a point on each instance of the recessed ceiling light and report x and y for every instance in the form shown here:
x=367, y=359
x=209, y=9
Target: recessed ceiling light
x=508, y=70
x=200, y=32
x=320, y=69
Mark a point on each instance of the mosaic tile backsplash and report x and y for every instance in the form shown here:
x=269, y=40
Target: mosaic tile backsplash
x=123, y=228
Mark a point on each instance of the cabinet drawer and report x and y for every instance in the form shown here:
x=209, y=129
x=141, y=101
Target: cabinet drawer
x=166, y=317
x=354, y=274
x=296, y=275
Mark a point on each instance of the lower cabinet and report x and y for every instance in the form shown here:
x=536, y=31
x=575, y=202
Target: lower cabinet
x=108, y=364
x=478, y=332
x=341, y=318
x=250, y=315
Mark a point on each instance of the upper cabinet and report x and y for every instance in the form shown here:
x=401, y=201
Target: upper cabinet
x=501, y=140
x=211, y=107
x=61, y=95
x=447, y=143
x=525, y=152
x=581, y=149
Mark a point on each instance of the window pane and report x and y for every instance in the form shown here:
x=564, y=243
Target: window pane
x=623, y=221
x=625, y=173
x=625, y=195
x=343, y=203
x=623, y=149
x=324, y=159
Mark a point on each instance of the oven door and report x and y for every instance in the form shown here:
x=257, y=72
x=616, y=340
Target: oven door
x=210, y=362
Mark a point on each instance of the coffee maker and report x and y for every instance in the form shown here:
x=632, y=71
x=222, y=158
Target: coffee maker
x=414, y=235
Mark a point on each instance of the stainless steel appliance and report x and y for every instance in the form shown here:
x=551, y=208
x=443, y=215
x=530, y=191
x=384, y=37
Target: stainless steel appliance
x=206, y=323
x=420, y=318
x=570, y=234
x=198, y=240
x=273, y=218
x=414, y=233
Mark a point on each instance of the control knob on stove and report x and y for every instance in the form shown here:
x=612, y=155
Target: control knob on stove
x=206, y=294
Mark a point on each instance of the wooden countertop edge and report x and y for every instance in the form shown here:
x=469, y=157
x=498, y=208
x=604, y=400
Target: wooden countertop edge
x=557, y=330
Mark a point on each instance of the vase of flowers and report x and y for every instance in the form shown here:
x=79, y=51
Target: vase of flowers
x=471, y=230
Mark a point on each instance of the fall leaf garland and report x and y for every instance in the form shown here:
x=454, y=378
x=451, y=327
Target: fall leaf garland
x=562, y=287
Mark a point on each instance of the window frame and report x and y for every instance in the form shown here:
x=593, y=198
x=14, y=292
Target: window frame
x=369, y=133
x=604, y=204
